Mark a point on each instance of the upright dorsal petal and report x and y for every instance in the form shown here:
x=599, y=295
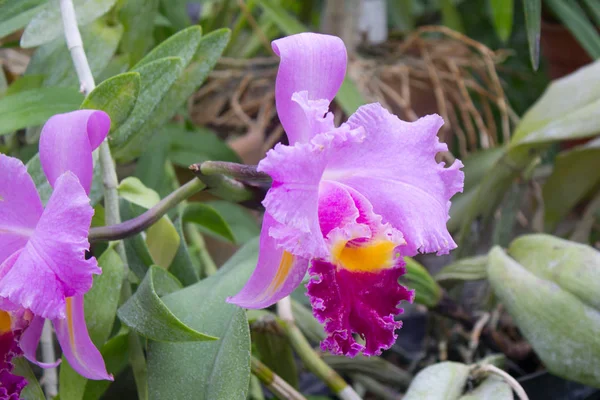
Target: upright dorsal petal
x=310, y=62
x=67, y=142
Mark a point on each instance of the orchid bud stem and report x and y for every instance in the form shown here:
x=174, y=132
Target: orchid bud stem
x=147, y=219
x=274, y=382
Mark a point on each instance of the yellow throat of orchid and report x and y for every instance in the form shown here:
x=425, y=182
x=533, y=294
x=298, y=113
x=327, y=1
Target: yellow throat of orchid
x=370, y=257
x=5, y=322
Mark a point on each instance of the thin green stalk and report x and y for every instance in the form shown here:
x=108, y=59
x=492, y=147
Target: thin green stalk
x=274, y=382
x=197, y=240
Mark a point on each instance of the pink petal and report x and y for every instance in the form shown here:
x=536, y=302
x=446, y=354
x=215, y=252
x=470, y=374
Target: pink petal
x=76, y=344
x=293, y=198
x=30, y=340
x=350, y=302
x=309, y=62
x=20, y=206
x=67, y=142
x=276, y=275
x=395, y=169
x=52, y=266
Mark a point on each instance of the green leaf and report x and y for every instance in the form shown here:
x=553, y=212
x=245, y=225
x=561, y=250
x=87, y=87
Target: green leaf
x=33, y=390
x=241, y=222
x=465, y=269
x=146, y=314
x=34, y=107
x=191, y=147
x=183, y=44
x=176, y=12
x=207, y=217
x=275, y=351
x=491, y=388
x=574, y=176
x=533, y=19
x=53, y=60
x=502, y=12
x=138, y=255
x=134, y=191
x=47, y=24
x=100, y=305
x=208, y=370
x=450, y=16
x=444, y=380
x=137, y=17
x=576, y=21
x=156, y=79
x=163, y=242
x=116, y=357
x=573, y=266
x=25, y=82
x=208, y=52
x=182, y=266
x=594, y=8
x=116, y=96
x=15, y=14
x=427, y=291
x=349, y=97
x=562, y=329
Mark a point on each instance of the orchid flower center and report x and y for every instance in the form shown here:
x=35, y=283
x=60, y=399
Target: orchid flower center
x=5, y=322
x=371, y=256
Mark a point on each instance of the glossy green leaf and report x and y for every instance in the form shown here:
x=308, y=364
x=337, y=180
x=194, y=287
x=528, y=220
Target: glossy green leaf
x=15, y=14
x=137, y=17
x=445, y=380
x=243, y=224
x=464, y=269
x=146, y=314
x=573, y=266
x=156, y=79
x=116, y=96
x=54, y=61
x=208, y=370
x=574, y=176
x=47, y=24
x=502, y=13
x=100, y=305
x=561, y=328
x=533, y=20
x=576, y=20
x=207, y=217
x=34, y=107
x=33, y=390
x=201, y=144
x=182, y=266
x=427, y=291
x=134, y=191
x=208, y=52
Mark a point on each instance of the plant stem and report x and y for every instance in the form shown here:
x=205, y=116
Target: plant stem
x=487, y=369
x=49, y=375
x=309, y=357
x=274, y=382
x=109, y=175
x=208, y=266
x=117, y=231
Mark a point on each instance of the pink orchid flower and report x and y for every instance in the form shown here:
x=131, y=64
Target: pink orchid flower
x=43, y=269
x=347, y=203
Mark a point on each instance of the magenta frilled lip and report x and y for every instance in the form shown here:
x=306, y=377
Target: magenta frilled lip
x=43, y=268
x=347, y=202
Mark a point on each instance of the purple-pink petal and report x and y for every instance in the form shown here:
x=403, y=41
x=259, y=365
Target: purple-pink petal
x=52, y=265
x=362, y=303
x=309, y=62
x=75, y=342
x=67, y=141
x=276, y=275
x=20, y=206
x=30, y=340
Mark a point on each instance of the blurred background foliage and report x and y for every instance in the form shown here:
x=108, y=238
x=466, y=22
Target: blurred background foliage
x=191, y=81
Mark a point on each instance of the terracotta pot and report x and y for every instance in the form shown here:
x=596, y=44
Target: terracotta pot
x=562, y=51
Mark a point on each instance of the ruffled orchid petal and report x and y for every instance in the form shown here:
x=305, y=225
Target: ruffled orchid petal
x=396, y=169
x=77, y=347
x=52, y=265
x=336, y=207
x=297, y=172
x=277, y=274
x=350, y=302
x=20, y=206
x=309, y=62
x=67, y=141
x=11, y=327
x=30, y=340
